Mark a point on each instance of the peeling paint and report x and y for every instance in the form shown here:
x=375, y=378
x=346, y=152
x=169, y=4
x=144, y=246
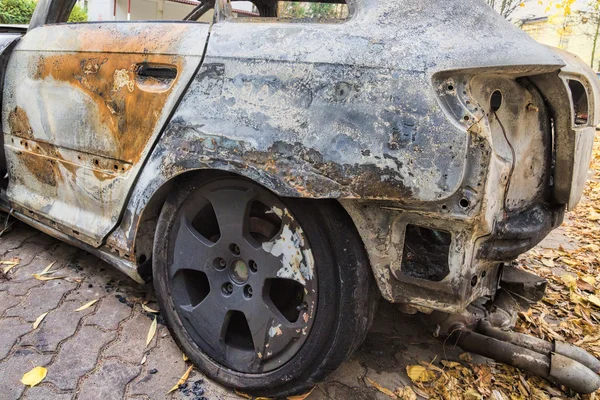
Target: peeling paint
x=275, y=331
x=297, y=264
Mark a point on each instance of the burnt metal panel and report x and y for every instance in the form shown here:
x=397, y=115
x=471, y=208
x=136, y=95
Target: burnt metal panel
x=78, y=118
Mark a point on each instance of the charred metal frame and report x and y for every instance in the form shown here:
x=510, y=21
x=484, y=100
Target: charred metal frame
x=346, y=111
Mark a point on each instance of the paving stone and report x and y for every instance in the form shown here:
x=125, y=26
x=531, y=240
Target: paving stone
x=25, y=254
x=16, y=237
x=45, y=392
x=109, y=313
x=84, y=294
x=58, y=325
x=41, y=299
x=10, y=331
x=108, y=381
x=7, y=301
x=40, y=262
x=13, y=368
x=131, y=343
x=78, y=356
x=167, y=362
x=20, y=288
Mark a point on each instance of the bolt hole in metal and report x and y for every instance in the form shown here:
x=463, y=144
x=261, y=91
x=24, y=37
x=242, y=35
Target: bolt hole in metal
x=474, y=281
x=243, y=303
x=464, y=203
x=496, y=100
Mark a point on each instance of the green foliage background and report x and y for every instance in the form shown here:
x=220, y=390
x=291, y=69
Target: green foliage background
x=20, y=12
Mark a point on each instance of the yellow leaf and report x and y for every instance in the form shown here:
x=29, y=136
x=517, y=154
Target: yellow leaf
x=34, y=376
x=183, y=379
x=11, y=264
x=548, y=262
x=185, y=358
x=450, y=364
x=383, y=390
x=150, y=310
x=47, y=278
x=301, y=396
x=39, y=320
x=418, y=373
x=406, y=393
x=151, y=333
x=570, y=281
x=86, y=306
x=594, y=300
x=46, y=270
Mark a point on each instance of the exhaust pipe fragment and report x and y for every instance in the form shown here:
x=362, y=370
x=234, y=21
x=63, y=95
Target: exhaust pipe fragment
x=559, y=362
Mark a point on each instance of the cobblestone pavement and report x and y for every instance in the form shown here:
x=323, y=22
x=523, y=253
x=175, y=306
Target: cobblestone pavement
x=101, y=352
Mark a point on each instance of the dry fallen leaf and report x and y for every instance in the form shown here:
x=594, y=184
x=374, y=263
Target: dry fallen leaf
x=39, y=320
x=34, y=376
x=86, y=306
x=418, y=373
x=150, y=310
x=46, y=270
x=594, y=300
x=151, y=333
x=301, y=396
x=185, y=358
x=11, y=264
x=143, y=360
x=183, y=379
x=382, y=389
x=406, y=393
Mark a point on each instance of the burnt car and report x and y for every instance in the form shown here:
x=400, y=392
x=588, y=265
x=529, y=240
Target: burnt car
x=276, y=177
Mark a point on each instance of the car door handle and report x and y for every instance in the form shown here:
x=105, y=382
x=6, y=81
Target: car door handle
x=157, y=71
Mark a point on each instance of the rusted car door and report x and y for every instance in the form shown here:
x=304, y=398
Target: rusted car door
x=83, y=105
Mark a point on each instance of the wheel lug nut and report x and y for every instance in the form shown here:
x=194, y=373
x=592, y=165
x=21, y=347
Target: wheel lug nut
x=235, y=249
x=248, y=291
x=253, y=266
x=219, y=264
x=228, y=288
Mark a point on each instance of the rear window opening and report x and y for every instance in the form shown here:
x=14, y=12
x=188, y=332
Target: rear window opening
x=327, y=11
x=580, y=102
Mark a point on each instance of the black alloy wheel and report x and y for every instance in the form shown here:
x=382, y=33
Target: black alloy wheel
x=241, y=284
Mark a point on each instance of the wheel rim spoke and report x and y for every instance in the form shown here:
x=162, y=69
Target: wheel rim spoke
x=270, y=332
x=286, y=259
x=209, y=320
x=191, y=250
x=231, y=209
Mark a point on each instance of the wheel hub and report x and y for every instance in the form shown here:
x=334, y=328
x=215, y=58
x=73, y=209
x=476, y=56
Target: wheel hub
x=239, y=271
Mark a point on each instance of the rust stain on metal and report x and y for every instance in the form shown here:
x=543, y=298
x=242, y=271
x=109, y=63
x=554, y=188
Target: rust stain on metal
x=19, y=123
x=125, y=108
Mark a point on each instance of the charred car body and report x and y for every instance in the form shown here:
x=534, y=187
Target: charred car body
x=276, y=177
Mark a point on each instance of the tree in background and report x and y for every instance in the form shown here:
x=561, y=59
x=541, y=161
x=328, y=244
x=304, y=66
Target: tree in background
x=16, y=11
x=592, y=17
x=300, y=10
x=20, y=12
x=506, y=7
